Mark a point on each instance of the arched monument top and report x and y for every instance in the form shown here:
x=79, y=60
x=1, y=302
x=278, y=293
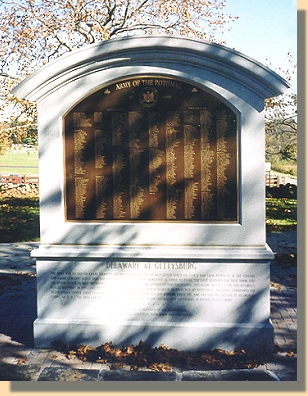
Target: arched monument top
x=166, y=52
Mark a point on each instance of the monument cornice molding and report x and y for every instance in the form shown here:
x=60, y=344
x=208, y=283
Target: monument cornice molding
x=182, y=253
x=171, y=54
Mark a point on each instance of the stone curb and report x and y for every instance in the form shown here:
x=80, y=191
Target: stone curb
x=35, y=373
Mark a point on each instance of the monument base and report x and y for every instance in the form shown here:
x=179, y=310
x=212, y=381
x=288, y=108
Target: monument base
x=253, y=338
x=218, y=298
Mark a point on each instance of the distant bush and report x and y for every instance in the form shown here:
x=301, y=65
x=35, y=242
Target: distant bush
x=283, y=191
x=286, y=167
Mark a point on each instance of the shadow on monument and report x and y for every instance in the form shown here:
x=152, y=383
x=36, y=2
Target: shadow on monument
x=182, y=315
x=165, y=320
x=127, y=235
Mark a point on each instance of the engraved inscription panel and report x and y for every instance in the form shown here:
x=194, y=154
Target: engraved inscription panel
x=140, y=290
x=151, y=149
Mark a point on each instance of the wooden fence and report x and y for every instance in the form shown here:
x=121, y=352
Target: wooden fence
x=274, y=180
x=19, y=179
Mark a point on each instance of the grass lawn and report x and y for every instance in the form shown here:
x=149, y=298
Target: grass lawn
x=281, y=214
x=19, y=219
x=19, y=163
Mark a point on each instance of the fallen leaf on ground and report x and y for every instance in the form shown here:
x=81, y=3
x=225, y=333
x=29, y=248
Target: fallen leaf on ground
x=100, y=361
x=21, y=361
x=117, y=366
x=276, y=286
x=160, y=358
x=161, y=367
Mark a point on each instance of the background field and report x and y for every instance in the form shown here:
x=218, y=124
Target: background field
x=19, y=163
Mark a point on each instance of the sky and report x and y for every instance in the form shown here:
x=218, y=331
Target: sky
x=265, y=31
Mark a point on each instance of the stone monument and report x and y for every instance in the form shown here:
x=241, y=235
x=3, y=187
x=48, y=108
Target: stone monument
x=152, y=209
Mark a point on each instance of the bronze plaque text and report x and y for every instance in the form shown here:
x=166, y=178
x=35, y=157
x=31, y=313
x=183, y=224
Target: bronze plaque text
x=151, y=149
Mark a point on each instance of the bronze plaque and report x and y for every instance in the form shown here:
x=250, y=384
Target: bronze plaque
x=151, y=148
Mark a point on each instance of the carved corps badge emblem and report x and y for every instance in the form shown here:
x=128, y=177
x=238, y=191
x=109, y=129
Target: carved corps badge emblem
x=148, y=97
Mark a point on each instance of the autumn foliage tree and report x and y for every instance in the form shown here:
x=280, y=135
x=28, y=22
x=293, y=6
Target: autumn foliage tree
x=33, y=32
x=281, y=125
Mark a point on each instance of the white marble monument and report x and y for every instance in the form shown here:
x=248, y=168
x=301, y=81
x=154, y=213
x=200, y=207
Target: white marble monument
x=152, y=195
